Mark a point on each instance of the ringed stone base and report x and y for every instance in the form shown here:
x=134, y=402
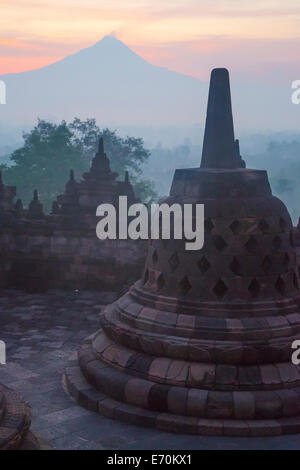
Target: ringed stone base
x=99, y=392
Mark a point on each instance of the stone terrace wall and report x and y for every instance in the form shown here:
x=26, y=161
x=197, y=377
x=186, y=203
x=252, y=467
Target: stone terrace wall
x=37, y=256
x=61, y=250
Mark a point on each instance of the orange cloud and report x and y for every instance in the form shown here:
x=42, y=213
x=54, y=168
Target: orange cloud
x=22, y=64
x=11, y=42
x=36, y=31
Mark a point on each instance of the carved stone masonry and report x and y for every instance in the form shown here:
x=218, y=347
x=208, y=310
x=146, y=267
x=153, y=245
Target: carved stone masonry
x=202, y=343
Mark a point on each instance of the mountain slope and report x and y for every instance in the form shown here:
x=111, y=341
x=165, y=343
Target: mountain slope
x=107, y=81
x=110, y=82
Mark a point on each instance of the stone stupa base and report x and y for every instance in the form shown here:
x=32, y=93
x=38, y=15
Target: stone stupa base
x=15, y=419
x=97, y=397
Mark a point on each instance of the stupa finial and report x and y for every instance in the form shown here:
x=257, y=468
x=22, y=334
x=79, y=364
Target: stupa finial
x=55, y=207
x=19, y=204
x=35, y=209
x=101, y=146
x=219, y=148
x=71, y=185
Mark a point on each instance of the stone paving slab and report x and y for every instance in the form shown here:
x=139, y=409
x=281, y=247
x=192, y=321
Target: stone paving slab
x=41, y=332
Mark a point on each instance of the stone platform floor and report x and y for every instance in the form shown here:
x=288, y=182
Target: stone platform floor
x=41, y=332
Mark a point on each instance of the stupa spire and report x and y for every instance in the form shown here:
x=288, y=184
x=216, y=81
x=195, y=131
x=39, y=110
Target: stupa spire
x=100, y=167
x=101, y=146
x=71, y=185
x=19, y=205
x=1, y=186
x=19, y=209
x=219, y=148
x=35, y=209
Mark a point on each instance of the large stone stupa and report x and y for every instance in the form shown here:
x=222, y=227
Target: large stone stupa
x=202, y=343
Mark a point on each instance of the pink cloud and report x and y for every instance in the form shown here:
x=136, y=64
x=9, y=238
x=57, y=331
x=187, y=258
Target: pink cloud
x=11, y=65
x=249, y=59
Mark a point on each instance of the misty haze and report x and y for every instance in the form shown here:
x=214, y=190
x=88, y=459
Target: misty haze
x=122, y=91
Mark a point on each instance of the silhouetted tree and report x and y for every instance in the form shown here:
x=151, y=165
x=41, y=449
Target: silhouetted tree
x=51, y=150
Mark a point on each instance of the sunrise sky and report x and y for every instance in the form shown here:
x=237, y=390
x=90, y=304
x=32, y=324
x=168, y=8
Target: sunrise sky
x=258, y=39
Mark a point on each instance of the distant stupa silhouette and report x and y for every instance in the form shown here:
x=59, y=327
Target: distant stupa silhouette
x=202, y=343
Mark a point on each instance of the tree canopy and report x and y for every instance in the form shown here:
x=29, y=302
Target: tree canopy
x=51, y=150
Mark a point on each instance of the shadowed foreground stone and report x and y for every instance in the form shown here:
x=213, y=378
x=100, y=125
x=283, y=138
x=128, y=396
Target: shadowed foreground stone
x=14, y=419
x=202, y=343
